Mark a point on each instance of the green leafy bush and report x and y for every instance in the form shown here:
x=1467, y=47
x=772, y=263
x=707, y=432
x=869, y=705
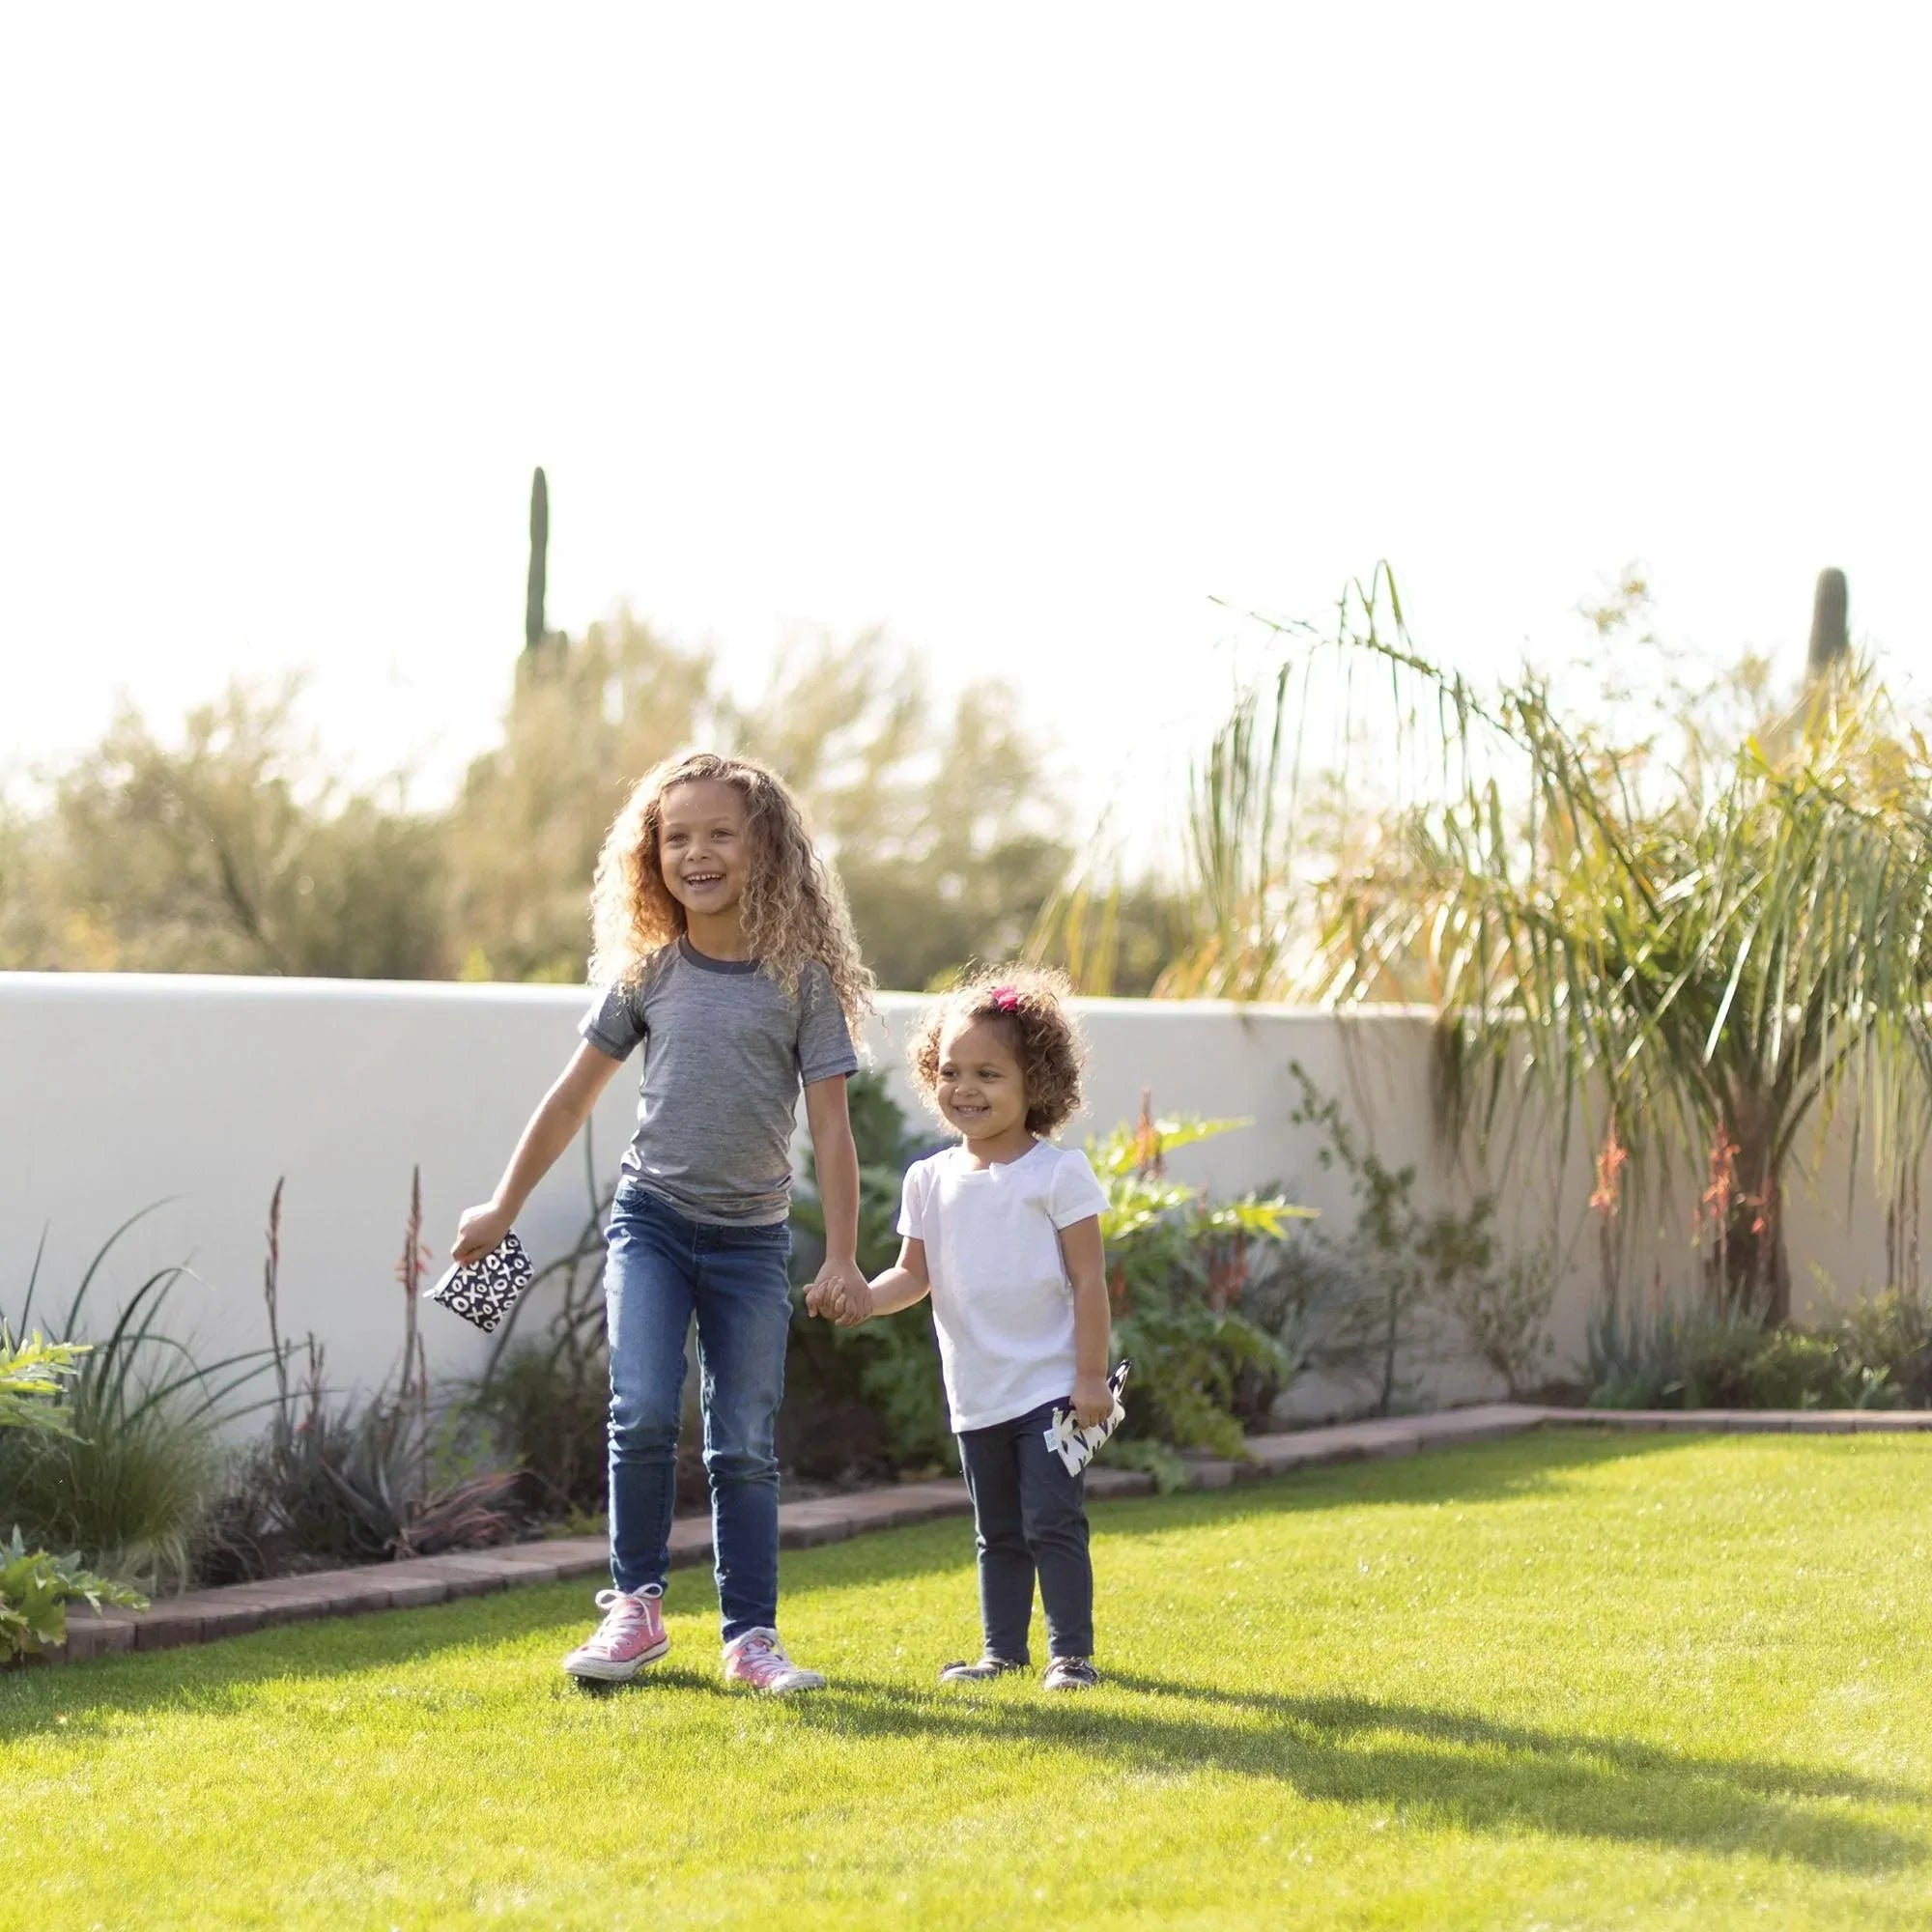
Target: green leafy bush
x=549, y=1407
x=35, y=1592
x=35, y=1586
x=1179, y=1267
x=864, y=1401
x=1876, y=1355
x=869, y=1400
x=33, y=1378
x=1890, y=1334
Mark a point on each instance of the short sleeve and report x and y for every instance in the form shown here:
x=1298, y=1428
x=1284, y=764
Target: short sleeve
x=824, y=1042
x=613, y=1025
x=1075, y=1195
x=912, y=1204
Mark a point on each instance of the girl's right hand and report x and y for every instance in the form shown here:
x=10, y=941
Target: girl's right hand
x=479, y=1233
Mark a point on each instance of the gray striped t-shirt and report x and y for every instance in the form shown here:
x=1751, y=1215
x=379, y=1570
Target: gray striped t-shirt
x=725, y=1054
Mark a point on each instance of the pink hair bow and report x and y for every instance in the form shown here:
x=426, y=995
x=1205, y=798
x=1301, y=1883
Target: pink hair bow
x=1005, y=999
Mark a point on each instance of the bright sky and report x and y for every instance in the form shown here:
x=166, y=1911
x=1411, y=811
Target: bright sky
x=1025, y=331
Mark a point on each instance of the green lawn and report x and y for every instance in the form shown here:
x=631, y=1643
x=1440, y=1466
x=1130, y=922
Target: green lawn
x=1559, y=1680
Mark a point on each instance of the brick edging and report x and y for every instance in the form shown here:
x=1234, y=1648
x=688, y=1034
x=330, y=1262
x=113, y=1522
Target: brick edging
x=203, y=1616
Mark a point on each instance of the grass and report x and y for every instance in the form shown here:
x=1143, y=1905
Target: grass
x=1560, y=1681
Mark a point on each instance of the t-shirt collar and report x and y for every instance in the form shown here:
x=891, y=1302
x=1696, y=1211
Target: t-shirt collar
x=999, y=1166
x=691, y=956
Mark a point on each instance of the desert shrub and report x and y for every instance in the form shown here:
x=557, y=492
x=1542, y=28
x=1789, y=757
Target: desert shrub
x=1671, y=1355
x=1404, y=1287
x=548, y=1409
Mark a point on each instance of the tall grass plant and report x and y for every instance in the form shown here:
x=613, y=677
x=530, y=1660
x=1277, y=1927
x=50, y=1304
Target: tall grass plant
x=128, y=1481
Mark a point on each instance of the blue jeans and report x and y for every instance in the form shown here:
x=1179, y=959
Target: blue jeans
x=1030, y=1519
x=661, y=1269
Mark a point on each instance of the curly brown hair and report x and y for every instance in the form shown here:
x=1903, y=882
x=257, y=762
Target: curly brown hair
x=793, y=910
x=1030, y=1004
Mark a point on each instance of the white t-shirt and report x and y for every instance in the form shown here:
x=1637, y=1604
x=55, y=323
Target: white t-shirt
x=1001, y=1300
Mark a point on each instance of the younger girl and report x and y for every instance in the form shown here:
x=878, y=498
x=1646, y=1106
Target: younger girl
x=723, y=945
x=1003, y=1231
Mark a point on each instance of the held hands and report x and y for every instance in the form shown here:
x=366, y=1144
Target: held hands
x=1092, y=1401
x=841, y=1294
x=480, y=1232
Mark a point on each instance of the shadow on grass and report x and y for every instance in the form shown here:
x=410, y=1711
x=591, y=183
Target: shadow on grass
x=1435, y=1765
x=1432, y=1765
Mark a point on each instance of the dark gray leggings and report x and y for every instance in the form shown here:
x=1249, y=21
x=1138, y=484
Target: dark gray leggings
x=1031, y=1517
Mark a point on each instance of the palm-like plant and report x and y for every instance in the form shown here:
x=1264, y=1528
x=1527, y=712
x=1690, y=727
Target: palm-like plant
x=1719, y=959
x=1717, y=952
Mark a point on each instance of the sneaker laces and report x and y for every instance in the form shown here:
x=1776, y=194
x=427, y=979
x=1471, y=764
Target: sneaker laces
x=621, y=1610
x=762, y=1653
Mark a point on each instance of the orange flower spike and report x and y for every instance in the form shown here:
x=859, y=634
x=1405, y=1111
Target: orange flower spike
x=1716, y=1197
x=1610, y=1159
x=1148, y=1161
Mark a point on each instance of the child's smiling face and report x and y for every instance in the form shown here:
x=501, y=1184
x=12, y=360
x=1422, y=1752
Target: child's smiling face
x=703, y=847
x=979, y=1087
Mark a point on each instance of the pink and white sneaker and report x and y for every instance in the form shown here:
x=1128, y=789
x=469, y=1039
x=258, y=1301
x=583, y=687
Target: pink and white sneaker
x=631, y=1636
x=758, y=1659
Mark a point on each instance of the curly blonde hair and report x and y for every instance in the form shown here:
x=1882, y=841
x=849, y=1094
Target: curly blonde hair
x=1029, y=1003
x=794, y=909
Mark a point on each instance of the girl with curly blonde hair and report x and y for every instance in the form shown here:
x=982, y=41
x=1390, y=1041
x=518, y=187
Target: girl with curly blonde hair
x=722, y=942
x=1003, y=1231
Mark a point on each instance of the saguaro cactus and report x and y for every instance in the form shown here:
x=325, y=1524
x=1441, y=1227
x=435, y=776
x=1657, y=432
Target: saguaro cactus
x=534, y=600
x=1830, y=639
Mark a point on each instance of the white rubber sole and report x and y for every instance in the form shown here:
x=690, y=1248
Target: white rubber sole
x=805, y=1681
x=606, y=1670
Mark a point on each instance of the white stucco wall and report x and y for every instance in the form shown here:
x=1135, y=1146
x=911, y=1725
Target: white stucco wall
x=119, y=1092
